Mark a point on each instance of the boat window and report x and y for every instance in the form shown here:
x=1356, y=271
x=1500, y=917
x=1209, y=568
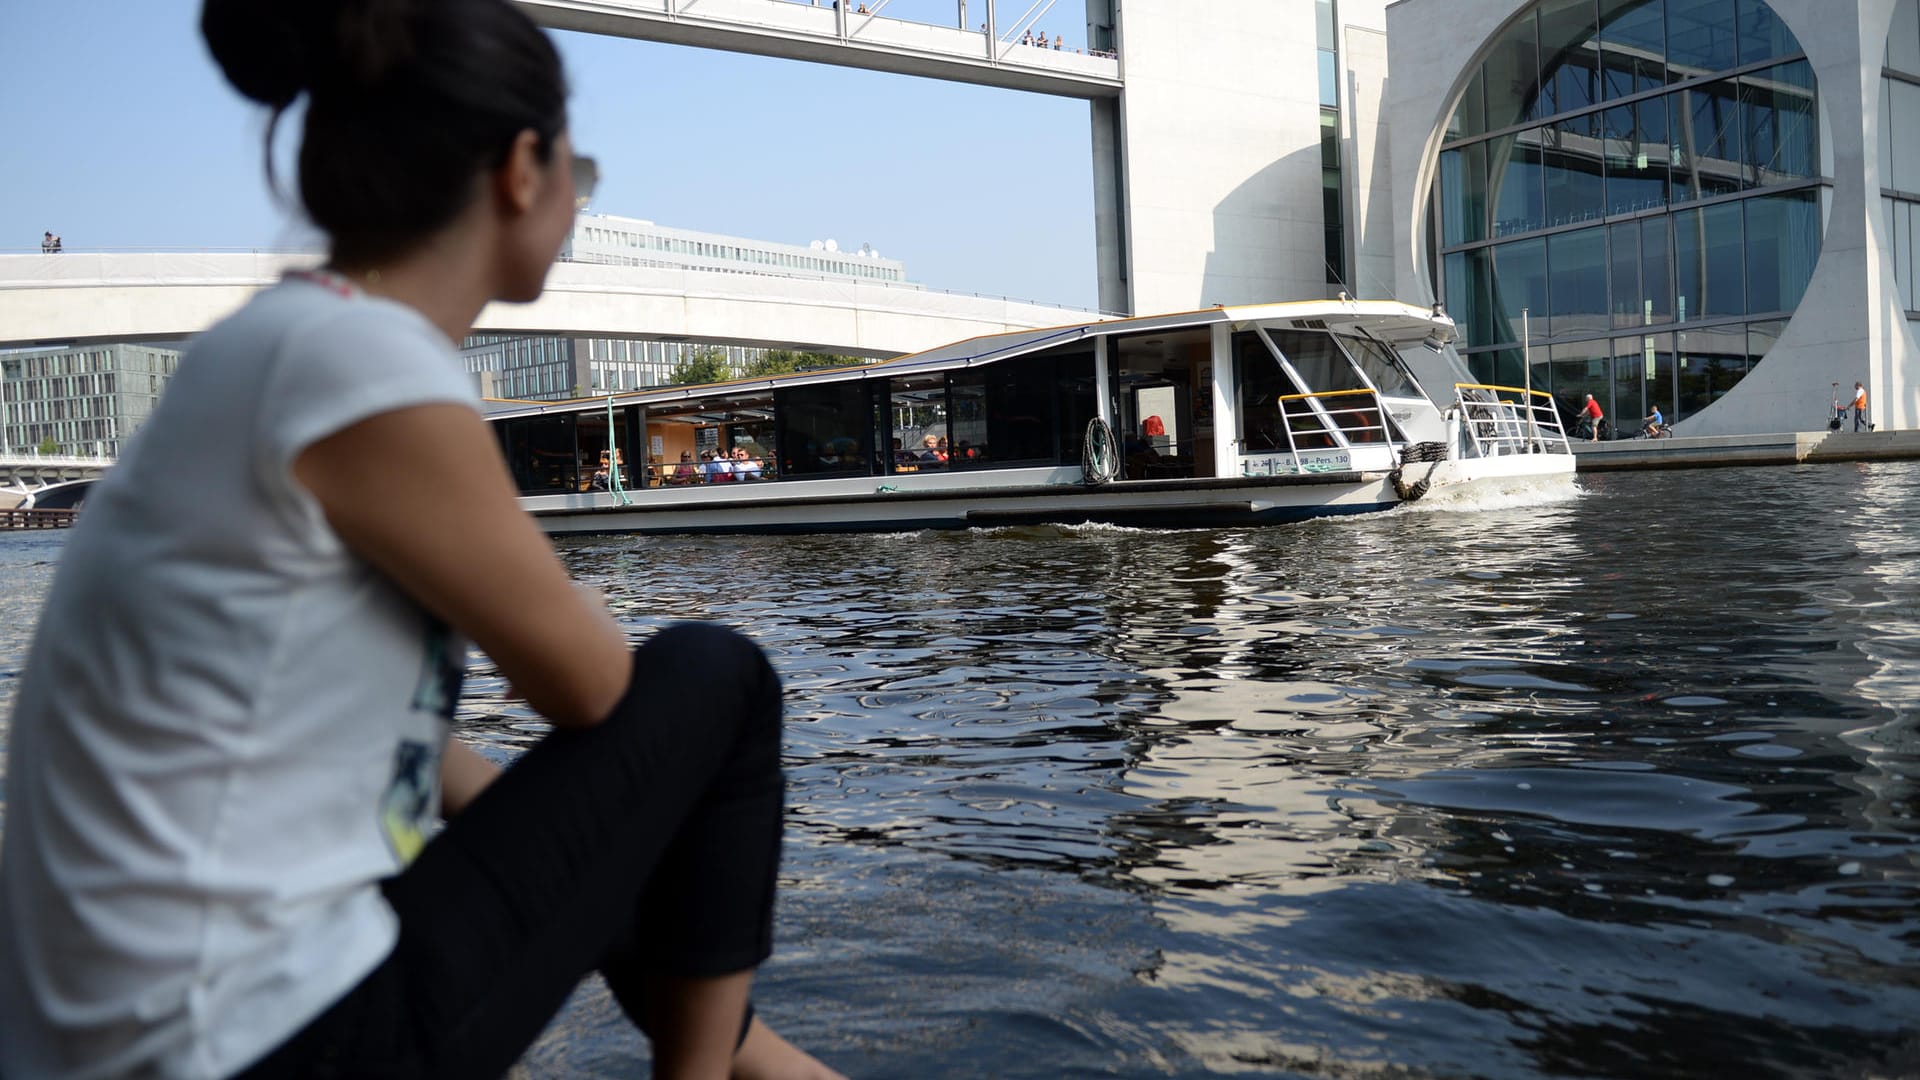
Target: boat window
x=824, y=430
x=1263, y=414
x=749, y=438
x=1154, y=393
x=1381, y=367
x=1003, y=413
x=1320, y=363
x=1330, y=377
x=540, y=453
x=590, y=435
x=967, y=401
x=916, y=417
x=1074, y=403
x=686, y=439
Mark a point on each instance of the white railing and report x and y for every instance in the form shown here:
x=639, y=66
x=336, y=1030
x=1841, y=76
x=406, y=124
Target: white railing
x=14, y=459
x=1502, y=420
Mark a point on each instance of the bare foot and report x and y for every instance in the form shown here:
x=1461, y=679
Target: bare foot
x=764, y=1055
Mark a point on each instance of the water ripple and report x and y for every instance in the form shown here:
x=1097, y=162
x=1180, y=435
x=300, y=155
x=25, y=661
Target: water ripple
x=1623, y=786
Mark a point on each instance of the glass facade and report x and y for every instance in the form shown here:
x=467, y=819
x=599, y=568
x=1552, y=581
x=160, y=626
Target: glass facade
x=1331, y=190
x=86, y=401
x=1641, y=177
x=1900, y=150
x=552, y=368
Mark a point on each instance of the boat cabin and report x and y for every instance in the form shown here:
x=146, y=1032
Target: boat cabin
x=1221, y=394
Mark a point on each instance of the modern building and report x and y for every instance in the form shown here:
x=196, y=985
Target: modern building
x=1712, y=206
x=86, y=400
x=555, y=368
x=1708, y=206
x=1243, y=159
x=622, y=241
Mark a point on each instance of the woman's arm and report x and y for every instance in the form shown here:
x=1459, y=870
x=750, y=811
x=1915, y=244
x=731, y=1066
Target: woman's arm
x=421, y=493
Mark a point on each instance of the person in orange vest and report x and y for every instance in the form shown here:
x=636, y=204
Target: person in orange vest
x=1860, y=407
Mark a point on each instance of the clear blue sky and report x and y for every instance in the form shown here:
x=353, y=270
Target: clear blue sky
x=121, y=133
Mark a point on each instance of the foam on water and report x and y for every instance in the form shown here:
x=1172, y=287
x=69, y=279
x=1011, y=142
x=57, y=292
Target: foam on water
x=1520, y=493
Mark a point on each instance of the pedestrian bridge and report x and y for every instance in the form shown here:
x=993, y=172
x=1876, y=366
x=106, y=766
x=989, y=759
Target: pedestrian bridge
x=984, y=49
x=77, y=298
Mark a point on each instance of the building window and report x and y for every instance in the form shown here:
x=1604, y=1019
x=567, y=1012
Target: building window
x=1630, y=164
x=1332, y=190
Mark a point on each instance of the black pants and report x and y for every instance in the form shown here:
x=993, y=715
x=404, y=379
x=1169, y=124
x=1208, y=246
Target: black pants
x=646, y=845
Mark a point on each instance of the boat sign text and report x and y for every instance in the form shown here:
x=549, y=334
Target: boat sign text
x=1306, y=461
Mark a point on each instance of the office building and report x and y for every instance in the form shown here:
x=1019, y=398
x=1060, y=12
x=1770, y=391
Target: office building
x=84, y=400
x=555, y=367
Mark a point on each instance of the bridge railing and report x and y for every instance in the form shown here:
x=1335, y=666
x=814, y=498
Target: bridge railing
x=870, y=23
x=20, y=269
x=19, y=459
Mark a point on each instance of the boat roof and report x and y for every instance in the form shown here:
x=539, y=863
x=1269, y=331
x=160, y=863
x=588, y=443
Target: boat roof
x=1331, y=314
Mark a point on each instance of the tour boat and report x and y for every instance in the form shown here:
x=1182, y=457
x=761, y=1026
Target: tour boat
x=1224, y=417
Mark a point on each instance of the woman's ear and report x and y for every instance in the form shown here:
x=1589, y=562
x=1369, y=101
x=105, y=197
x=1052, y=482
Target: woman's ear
x=517, y=181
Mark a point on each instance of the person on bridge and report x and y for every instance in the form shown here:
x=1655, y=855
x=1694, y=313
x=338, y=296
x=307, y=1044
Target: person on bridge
x=231, y=738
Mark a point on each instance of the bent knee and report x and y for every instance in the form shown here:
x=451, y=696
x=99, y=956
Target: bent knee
x=732, y=672
x=716, y=649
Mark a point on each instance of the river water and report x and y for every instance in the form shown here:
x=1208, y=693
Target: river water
x=1618, y=786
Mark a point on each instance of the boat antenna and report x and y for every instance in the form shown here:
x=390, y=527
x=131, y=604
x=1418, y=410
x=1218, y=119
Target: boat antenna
x=1346, y=290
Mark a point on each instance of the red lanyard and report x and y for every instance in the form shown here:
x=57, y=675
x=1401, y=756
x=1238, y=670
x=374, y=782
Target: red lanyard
x=326, y=279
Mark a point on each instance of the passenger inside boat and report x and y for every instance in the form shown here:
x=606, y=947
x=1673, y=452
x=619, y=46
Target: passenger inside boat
x=1139, y=455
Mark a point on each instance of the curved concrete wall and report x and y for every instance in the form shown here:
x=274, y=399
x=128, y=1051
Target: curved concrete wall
x=141, y=297
x=1849, y=325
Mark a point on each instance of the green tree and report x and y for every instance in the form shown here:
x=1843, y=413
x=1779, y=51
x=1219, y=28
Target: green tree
x=704, y=366
x=787, y=361
x=48, y=447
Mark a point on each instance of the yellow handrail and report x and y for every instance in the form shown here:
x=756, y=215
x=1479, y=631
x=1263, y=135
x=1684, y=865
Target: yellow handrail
x=1507, y=389
x=1320, y=394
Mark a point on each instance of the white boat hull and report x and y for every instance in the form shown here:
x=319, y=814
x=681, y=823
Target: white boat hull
x=1019, y=497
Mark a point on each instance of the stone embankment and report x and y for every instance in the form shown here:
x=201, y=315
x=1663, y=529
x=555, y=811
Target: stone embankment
x=1783, y=448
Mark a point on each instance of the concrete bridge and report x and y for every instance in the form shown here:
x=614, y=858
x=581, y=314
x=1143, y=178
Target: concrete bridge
x=79, y=297
x=27, y=471
x=26, y=478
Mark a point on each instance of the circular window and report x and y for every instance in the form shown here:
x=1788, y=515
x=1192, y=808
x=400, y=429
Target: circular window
x=1628, y=194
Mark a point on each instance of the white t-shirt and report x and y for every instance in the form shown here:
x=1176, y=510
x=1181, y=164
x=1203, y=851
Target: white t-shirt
x=229, y=729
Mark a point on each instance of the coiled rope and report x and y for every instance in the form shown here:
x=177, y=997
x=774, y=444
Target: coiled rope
x=1099, y=458
x=1431, y=452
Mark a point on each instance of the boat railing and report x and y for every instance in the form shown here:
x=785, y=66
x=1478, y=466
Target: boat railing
x=1330, y=420
x=1502, y=420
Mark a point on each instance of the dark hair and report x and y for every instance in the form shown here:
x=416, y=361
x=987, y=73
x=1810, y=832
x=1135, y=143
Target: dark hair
x=408, y=101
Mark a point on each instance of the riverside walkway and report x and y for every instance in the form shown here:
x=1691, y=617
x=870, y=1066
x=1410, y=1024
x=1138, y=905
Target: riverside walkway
x=1782, y=448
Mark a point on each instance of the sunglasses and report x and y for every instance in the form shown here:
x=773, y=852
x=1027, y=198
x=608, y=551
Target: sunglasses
x=586, y=177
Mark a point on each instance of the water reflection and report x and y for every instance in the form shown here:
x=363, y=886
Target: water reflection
x=1618, y=787
x=1502, y=793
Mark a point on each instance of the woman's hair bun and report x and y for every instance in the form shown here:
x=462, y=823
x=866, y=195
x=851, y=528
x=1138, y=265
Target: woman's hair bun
x=273, y=50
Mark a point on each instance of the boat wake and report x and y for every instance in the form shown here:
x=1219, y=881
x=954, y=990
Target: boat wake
x=1516, y=493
